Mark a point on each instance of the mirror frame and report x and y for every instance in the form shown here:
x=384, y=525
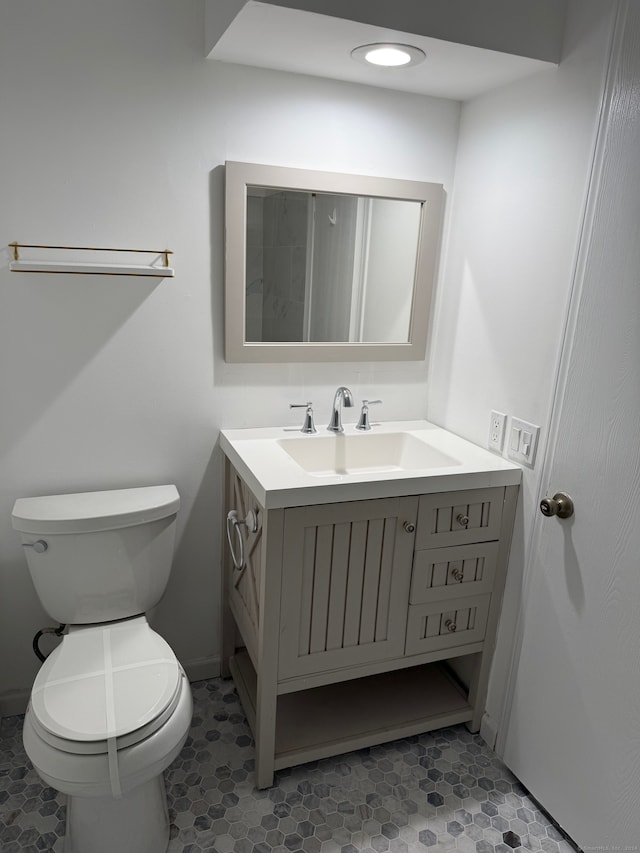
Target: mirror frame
x=241, y=175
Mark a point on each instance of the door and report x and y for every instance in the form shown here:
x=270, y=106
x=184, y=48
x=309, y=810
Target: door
x=573, y=731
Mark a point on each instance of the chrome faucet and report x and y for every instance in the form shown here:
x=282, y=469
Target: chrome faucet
x=343, y=395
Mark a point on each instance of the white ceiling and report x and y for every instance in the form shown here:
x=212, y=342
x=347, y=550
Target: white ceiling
x=286, y=39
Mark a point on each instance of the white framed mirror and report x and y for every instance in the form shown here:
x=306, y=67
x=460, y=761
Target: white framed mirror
x=323, y=266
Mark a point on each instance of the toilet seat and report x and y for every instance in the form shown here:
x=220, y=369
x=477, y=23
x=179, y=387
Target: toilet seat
x=106, y=687
x=85, y=775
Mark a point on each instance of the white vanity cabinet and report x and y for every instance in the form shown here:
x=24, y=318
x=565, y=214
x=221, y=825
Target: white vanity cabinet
x=361, y=621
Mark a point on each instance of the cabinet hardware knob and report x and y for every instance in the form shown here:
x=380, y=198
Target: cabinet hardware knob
x=462, y=519
x=409, y=526
x=450, y=625
x=457, y=575
x=560, y=504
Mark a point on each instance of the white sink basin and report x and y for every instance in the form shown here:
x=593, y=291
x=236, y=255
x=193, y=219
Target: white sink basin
x=331, y=455
x=284, y=468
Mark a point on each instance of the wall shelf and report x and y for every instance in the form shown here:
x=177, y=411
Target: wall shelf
x=80, y=266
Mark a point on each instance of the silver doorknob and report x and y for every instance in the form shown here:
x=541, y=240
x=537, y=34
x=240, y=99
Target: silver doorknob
x=409, y=526
x=560, y=504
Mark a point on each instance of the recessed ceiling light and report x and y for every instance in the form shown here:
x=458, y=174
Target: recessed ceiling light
x=389, y=55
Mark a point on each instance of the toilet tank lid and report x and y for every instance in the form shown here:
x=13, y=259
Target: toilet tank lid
x=87, y=512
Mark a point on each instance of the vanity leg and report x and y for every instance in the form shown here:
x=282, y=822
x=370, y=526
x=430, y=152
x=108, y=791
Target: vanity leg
x=478, y=690
x=480, y=680
x=265, y=734
x=228, y=640
x=228, y=622
x=268, y=648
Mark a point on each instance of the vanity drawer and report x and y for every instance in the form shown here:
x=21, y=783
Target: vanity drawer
x=443, y=625
x=450, y=573
x=458, y=518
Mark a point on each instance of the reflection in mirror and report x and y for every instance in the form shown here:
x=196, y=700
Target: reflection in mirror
x=327, y=267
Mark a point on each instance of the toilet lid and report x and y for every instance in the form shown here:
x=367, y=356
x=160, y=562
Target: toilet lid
x=112, y=681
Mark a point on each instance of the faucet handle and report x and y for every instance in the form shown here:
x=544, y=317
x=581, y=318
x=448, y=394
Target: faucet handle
x=363, y=420
x=308, y=426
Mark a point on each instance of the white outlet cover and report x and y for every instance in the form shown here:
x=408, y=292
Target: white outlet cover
x=497, y=424
x=523, y=442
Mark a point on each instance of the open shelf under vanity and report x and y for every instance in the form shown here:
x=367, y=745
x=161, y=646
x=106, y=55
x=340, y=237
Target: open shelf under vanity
x=347, y=715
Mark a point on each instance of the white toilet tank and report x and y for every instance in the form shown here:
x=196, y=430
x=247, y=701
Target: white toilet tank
x=99, y=556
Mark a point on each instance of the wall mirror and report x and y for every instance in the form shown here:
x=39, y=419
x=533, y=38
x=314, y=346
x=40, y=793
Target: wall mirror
x=322, y=266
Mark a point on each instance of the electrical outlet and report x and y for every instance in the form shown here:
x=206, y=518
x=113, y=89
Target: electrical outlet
x=523, y=442
x=497, y=426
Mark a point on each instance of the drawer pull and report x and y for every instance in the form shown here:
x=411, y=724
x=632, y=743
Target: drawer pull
x=409, y=526
x=462, y=520
x=457, y=575
x=450, y=625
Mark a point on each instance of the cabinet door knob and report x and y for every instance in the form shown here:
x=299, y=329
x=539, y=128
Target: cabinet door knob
x=457, y=575
x=450, y=625
x=462, y=519
x=409, y=526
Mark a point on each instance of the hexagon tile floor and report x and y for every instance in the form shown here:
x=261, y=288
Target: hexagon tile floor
x=437, y=792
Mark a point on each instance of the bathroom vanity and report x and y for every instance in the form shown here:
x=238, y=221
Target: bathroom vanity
x=363, y=581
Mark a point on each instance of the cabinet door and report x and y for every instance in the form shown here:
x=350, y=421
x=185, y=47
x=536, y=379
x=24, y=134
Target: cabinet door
x=345, y=584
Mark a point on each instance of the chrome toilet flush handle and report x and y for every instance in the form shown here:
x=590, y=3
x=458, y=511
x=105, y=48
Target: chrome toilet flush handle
x=40, y=546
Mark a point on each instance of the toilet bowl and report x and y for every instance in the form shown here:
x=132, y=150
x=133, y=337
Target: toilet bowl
x=110, y=708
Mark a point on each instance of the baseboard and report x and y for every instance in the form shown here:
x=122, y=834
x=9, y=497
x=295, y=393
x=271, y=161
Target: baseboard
x=202, y=668
x=15, y=702
x=488, y=731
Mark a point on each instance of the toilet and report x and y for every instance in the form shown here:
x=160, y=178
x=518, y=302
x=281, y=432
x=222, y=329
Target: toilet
x=110, y=708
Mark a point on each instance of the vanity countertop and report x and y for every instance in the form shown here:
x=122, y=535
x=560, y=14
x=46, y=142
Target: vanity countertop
x=284, y=467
